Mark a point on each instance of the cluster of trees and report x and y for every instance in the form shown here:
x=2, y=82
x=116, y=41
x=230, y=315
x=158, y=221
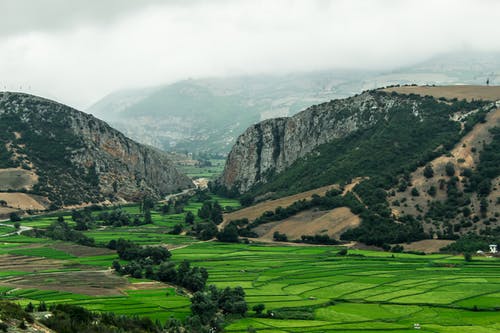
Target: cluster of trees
x=209, y=307
x=60, y=230
x=191, y=278
x=318, y=239
x=488, y=167
x=118, y=218
x=68, y=318
x=128, y=250
x=279, y=237
x=211, y=211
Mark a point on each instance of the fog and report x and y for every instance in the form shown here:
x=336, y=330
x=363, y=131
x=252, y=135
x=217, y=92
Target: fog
x=78, y=51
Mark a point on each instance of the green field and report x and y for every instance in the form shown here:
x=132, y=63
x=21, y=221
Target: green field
x=315, y=289
x=210, y=172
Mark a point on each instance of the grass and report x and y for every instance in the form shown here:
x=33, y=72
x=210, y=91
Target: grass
x=210, y=172
x=363, y=291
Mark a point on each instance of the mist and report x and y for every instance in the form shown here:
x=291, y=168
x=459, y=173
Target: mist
x=78, y=51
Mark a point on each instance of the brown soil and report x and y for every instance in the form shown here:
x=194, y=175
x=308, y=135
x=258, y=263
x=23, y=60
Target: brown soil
x=251, y=213
x=93, y=283
x=491, y=93
x=311, y=222
x=22, y=201
x=427, y=245
x=80, y=250
x=28, y=264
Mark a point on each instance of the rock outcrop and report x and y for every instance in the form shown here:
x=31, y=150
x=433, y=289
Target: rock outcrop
x=270, y=146
x=79, y=158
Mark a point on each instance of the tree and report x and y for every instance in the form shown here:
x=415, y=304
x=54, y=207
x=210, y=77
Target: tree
x=205, y=210
x=176, y=230
x=42, y=306
x=117, y=266
x=147, y=216
x=467, y=256
x=428, y=171
x=166, y=272
x=259, y=308
x=483, y=207
x=17, y=225
x=14, y=217
x=228, y=234
x=29, y=307
x=414, y=192
x=216, y=213
x=449, y=169
x=189, y=217
x=203, y=306
x=432, y=190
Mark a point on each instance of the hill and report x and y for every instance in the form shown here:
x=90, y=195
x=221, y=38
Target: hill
x=54, y=156
x=388, y=136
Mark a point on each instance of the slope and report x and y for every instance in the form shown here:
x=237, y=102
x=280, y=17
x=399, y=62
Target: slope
x=69, y=157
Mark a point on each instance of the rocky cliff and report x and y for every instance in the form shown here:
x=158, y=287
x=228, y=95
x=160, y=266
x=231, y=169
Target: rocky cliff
x=78, y=158
x=271, y=146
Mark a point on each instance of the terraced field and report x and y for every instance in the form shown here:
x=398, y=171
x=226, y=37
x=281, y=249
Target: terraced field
x=303, y=288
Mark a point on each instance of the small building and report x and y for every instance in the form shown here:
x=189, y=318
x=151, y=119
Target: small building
x=493, y=248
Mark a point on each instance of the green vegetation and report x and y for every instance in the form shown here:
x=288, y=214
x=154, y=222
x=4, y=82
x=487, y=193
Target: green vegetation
x=387, y=149
x=210, y=170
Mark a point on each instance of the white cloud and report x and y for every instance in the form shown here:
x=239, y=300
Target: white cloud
x=85, y=56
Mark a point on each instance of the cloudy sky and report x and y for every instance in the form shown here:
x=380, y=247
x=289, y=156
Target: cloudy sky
x=77, y=51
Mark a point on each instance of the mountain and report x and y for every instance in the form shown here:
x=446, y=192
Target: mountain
x=53, y=155
x=386, y=138
x=207, y=115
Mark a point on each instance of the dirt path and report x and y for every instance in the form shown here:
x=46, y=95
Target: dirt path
x=17, y=232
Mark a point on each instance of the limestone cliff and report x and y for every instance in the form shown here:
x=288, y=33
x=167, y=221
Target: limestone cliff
x=272, y=145
x=79, y=158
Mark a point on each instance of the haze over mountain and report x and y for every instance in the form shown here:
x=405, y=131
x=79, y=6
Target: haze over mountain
x=206, y=115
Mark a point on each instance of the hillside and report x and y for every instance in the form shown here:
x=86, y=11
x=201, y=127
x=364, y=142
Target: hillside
x=207, y=115
x=53, y=156
x=388, y=136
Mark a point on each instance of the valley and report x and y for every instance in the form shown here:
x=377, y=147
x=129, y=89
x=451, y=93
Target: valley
x=331, y=238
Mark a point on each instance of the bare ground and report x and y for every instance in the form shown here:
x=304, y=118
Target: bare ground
x=93, y=283
x=251, y=213
x=22, y=201
x=28, y=264
x=311, y=222
x=426, y=245
x=80, y=250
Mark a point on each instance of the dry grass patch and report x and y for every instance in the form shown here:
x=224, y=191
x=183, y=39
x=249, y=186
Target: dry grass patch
x=253, y=212
x=312, y=222
x=427, y=245
x=23, y=201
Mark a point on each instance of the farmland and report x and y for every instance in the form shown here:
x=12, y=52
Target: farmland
x=303, y=288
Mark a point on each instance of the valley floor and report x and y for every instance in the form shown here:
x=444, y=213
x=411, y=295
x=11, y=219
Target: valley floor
x=303, y=288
